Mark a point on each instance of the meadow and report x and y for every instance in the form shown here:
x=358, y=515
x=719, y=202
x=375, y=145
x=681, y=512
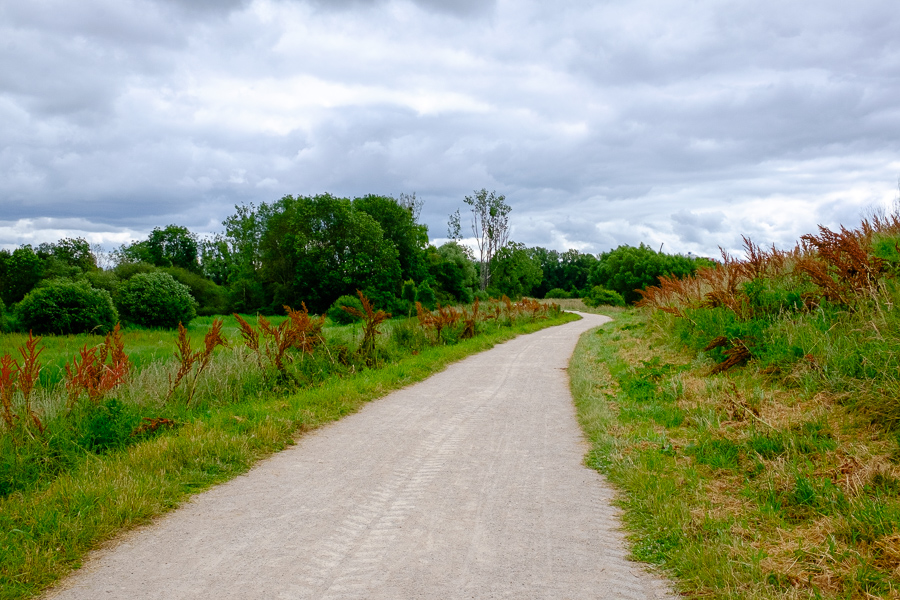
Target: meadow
x=88, y=452
x=750, y=417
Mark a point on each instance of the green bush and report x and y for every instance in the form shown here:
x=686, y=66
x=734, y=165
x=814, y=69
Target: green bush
x=426, y=296
x=65, y=307
x=599, y=295
x=211, y=299
x=2, y=317
x=155, y=300
x=341, y=316
x=558, y=293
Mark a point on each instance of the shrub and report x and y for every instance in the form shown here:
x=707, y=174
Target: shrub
x=65, y=307
x=599, y=295
x=156, y=300
x=425, y=296
x=211, y=299
x=2, y=317
x=342, y=317
x=558, y=293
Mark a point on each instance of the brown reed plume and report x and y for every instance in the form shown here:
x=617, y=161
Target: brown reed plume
x=93, y=376
x=8, y=372
x=188, y=358
x=840, y=264
x=371, y=321
x=470, y=322
x=28, y=375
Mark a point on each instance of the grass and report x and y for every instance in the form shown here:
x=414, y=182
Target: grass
x=48, y=524
x=738, y=485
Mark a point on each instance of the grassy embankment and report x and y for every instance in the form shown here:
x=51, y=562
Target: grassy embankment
x=238, y=413
x=750, y=417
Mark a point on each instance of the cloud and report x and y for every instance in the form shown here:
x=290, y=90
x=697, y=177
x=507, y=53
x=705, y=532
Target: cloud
x=603, y=123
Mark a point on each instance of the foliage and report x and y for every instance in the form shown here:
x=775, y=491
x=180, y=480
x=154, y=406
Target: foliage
x=452, y=273
x=66, y=307
x=211, y=299
x=319, y=248
x=628, y=269
x=513, y=272
x=557, y=293
x=599, y=295
x=20, y=271
x=569, y=271
x=426, y=296
x=155, y=300
x=399, y=228
x=339, y=315
x=490, y=225
x=171, y=246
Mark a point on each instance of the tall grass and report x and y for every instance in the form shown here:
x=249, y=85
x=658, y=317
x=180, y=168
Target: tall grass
x=100, y=466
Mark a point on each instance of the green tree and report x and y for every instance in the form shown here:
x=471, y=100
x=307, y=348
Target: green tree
x=68, y=257
x=490, y=225
x=317, y=248
x=172, y=246
x=628, y=268
x=452, y=273
x=399, y=227
x=514, y=272
x=20, y=271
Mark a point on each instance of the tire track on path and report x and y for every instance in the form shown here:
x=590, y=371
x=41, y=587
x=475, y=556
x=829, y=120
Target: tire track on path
x=467, y=485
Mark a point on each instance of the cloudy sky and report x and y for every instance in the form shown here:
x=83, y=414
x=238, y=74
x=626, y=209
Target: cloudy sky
x=603, y=122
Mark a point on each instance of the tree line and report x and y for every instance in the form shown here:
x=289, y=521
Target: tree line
x=310, y=249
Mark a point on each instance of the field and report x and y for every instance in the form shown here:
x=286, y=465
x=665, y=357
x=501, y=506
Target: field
x=92, y=464
x=750, y=417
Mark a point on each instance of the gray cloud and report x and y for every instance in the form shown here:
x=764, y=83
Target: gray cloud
x=603, y=123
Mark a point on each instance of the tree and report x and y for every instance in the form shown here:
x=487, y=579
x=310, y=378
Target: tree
x=628, y=268
x=490, y=224
x=20, y=271
x=399, y=227
x=317, y=248
x=72, y=253
x=514, y=272
x=452, y=273
x=172, y=246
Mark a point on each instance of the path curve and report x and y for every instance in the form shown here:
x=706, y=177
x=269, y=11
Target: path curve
x=470, y=484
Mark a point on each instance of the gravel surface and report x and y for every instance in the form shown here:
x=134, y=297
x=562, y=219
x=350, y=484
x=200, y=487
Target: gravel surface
x=468, y=485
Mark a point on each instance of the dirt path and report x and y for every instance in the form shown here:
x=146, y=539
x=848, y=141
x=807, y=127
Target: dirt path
x=467, y=485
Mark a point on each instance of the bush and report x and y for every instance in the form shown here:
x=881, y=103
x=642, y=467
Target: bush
x=341, y=316
x=2, y=317
x=425, y=295
x=156, y=300
x=558, y=293
x=211, y=299
x=599, y=295
x=65, y=307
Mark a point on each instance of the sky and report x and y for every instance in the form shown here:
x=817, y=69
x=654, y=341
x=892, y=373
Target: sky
x=682, y=124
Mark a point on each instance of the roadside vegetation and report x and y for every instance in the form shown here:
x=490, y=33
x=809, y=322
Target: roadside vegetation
x=92, y=443
x=750, y=414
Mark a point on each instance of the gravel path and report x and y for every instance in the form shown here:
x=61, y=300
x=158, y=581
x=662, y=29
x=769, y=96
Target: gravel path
x=467, y=485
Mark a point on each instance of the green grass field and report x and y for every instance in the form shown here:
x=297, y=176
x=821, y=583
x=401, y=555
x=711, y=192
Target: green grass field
x=98, y=468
